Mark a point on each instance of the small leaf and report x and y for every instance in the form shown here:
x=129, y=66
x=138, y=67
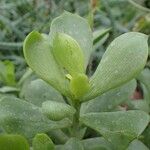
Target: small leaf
x=119, y=128
x=79, y=85
x=10, y=73
x=42, y=142
x=9, y=89
x=124, y=58
x=38, y=54
x=38, y=91
x=68, y=53
x=20, y=117
x=7, y=73
x=57, y=111
x=78, y=28
x=13, y=142
x=99, y=34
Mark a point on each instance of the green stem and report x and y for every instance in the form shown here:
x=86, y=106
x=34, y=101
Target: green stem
x=75, y=126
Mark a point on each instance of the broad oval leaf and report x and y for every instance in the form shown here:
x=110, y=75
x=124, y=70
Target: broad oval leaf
x=20, y=117
x=119, y=128
x=78, y=28
x=68, y=53
x=42, y=142
x=124, y=58
x=38, y=54
x=13, y=142
x=56, y=110
x=38, y=91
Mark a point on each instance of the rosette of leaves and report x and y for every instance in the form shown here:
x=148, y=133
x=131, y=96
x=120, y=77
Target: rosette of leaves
x=61, y=59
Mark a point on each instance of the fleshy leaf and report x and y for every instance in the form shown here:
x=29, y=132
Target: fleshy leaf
x=119, y=128
x=38, y=91
x=124, y=58
x=98, y=143
x=79, y=85
x=68, y=53
x=20, y=117
x=78, y=28
x=7, y=74
x=38, y=54
x=42, y=142
x=13, y=142
x=73, y=144
x=111, y=99
x=56, y=110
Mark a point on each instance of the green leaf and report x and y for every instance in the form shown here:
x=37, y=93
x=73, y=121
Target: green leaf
x=146, y=137
x=13, y=142
x=98, y=143
x=10, y=73
x=20, y=117
x=99, y=37
x=8, y=89
x=99, y=34
x=119, y=128
x=42, y=142
x=7, y=73
x=79, y=85
x=73, y=144
x=2, y=71
x=56, y=110
x=38, y=91
x=78, y=28
x=137, y=145
x=38, y=54
x=68, y=53
x=124, y=58
x=111, y=99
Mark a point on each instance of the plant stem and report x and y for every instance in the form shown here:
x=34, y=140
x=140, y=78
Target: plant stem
x=75, y=126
